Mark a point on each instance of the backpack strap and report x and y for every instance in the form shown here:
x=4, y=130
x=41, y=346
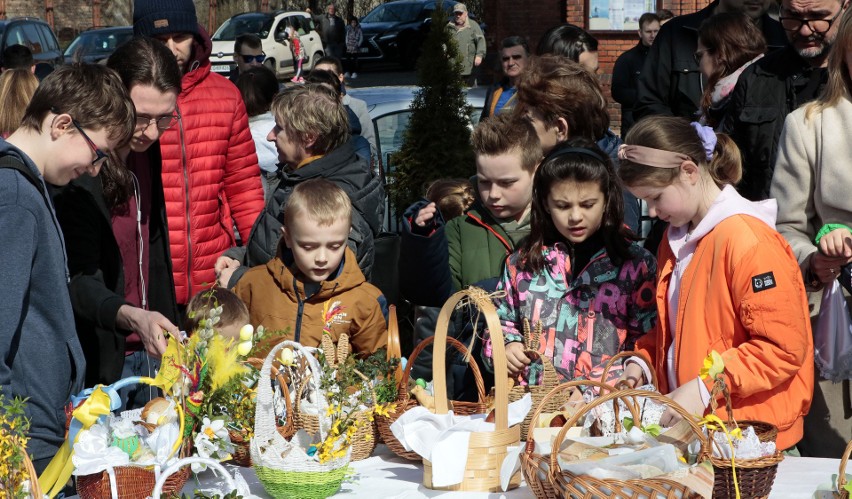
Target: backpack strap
x=14, y=163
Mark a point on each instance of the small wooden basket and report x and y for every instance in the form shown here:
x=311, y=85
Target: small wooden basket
x=841, y=476
x=549, y=379
x=754, y=476
x=405, y=401
x=487, y=450
x=535, y=467
x=566, y=484
x=240, y=439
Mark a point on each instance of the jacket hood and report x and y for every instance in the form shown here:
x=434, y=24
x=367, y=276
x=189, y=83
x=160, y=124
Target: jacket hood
x=728, y=204
x=199, y=65
x=364, y=189
x=347, y=277
x=609, y=144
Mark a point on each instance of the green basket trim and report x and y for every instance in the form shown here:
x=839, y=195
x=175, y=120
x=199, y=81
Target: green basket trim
x=301, y=484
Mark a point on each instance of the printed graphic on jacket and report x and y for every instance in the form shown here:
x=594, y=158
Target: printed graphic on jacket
x=586, y=318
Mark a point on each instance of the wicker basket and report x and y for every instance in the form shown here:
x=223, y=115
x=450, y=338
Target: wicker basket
x=753, y=476
x=282, y=472
x=487, y=450
x=35, y=489
x=132, y=482
x=394, y=346
x=366, y=435
x=566, y=484
x=535, y=466
x=841, y=475
x=241, y=440
x=549, y=379
x=405, y=401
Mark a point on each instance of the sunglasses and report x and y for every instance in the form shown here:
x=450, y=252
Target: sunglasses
x=162, y=122
x=249, y=58
x=100, y=156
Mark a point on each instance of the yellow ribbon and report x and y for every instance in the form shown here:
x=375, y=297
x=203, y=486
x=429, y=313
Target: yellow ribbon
x=715, y=423
x=97, y=405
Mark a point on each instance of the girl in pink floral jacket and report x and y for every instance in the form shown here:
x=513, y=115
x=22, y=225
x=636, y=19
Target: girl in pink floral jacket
x=580, y=273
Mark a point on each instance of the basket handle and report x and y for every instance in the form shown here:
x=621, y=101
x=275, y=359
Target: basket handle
x=627, y=354
x=620, y=394
x=552, y=393
x=841, y=476
x=282, y=382
x=180, y=463
x=35, y=488
x=394, y=346
x=264, y=417
x=482, y=300
x=459, y=346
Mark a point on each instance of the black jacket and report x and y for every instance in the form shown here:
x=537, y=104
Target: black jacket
x=765, y=94
x=625, y=82
x=671, y=83
x=97, y=271
x=350, y=173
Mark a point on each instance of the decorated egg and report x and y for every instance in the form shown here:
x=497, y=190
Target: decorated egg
x=246, y=332
x=286, y=356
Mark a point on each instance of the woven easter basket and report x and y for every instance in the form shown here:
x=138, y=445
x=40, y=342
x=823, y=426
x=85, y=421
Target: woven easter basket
x=487, y=450
x=549, y=379
x=405, y=401
x=241, y=440
x=134, y=482
x=535, y=467
x=754, y=476
x=567, y=484
x=282, y=471
x=841, y=476
x=366, y=435
x=35, y=489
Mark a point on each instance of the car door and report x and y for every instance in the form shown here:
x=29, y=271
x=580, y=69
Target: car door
x=310, y=39
x=283, y=52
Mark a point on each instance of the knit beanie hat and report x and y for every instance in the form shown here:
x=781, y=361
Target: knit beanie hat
x=157, y=17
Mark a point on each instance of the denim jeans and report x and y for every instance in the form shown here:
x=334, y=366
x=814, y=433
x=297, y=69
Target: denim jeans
x=139, y=364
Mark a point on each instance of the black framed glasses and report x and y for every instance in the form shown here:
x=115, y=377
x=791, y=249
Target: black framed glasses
x=162, y=122
x=249, y=58
x=817, y=26
x=699, y=54
x=100, y=156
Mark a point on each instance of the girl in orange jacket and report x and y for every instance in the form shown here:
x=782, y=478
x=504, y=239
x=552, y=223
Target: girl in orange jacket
x=727, y=281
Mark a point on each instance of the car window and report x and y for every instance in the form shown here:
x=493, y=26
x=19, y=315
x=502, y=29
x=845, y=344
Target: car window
x=47, y=38
x=393, y=12
x=31, y=32
x=17, y=37
x=390, y=132
x=260, y=25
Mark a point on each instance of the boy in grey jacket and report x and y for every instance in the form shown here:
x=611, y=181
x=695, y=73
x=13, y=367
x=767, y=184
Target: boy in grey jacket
x=77, y=116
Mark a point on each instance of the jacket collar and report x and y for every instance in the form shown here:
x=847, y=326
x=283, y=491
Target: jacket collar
x=199, y=66
x=347, y=276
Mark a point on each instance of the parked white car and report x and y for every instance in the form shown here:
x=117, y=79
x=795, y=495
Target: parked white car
x=269, y=26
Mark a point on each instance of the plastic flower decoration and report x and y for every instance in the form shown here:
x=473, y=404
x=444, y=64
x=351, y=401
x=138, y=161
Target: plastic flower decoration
x=713, y=366
x=212, y=441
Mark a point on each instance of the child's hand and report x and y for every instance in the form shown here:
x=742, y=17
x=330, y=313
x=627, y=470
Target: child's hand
x=516, y=358
x=632, y=375
x=425, y=215
x=837, y=243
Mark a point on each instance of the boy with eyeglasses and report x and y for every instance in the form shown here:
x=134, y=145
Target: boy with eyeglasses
x=248, y=53
x=77, y=116
x=210, y=165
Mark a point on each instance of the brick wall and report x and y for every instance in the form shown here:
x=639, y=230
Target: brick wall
x=533, y=17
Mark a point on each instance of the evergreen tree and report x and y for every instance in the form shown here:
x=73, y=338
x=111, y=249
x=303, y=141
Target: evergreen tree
x=437, y=141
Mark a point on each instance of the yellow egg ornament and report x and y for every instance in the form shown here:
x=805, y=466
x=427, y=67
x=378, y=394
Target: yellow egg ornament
x=246, y=337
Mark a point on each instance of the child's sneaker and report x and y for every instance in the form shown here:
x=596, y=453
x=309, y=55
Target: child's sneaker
x=354, y=75
x=294, y=79
x=301, y=80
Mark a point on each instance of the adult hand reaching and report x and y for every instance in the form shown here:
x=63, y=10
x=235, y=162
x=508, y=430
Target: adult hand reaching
x=149, y=325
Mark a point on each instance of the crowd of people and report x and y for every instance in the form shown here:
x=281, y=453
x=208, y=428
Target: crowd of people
x=128, y=190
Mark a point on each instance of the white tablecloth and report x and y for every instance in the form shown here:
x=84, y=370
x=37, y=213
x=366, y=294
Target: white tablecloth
x=385, y=476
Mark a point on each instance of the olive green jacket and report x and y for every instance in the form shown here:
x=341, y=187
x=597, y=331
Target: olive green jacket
x=471, y=43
